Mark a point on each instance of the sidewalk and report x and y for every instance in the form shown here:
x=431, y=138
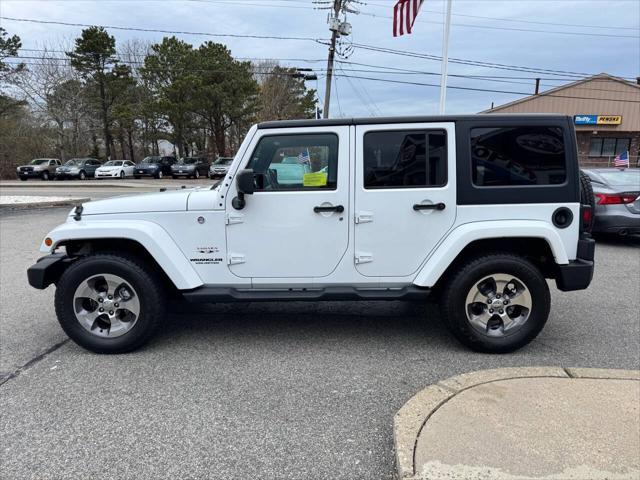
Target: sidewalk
x=523, y=423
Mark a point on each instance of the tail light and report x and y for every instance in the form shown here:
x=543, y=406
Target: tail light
x=616, y=198
x=586, y=218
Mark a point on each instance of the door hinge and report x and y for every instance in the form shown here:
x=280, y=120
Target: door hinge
x=364, y=217
x=362, y=257
x=232, y=218
x=235, y=258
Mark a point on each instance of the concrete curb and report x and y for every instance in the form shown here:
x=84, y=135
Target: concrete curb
x=74, y=184
x=411, y=418
x=59, y=203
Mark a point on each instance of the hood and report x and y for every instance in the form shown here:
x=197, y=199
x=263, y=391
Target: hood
x=147, y=165
x=170, y=201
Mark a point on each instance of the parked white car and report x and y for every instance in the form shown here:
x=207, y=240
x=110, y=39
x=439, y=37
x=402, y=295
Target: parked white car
x=116, y=169
x=474, y=211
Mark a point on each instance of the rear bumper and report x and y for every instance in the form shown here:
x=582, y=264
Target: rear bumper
x=47, y=270
x=614, y=223
x=578, y=273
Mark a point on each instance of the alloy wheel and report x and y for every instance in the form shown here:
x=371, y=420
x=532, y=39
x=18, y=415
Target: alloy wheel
x=498, y=305
x=106, y=305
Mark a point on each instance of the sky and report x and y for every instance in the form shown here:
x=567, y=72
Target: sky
x=578, y=36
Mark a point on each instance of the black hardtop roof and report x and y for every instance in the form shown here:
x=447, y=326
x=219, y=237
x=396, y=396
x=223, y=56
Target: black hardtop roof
x=330, y=122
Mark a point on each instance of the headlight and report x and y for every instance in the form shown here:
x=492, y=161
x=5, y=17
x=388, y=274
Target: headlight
x=17, y=169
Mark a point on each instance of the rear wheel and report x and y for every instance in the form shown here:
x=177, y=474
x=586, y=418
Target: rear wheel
x=159, y=174
x=109, y=303
x=45, y=175
x=586, y=195
x=137, y=177
x=83, y=175
x=24, y=179
x=121, y=174
x=197, y=174
x=496, y=303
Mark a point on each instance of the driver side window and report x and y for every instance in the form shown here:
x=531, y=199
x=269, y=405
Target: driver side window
x=296, y=162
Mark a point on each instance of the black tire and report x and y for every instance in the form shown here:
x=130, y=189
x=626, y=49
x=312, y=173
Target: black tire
x=586, y=194
x=142, y=279
x=121, y=174
x=45, y=176
x=82, y=175
x=464, y=278
x=196, y=175
x=174, y=177
x=24, y=179
x=137, y=177
x=159, y=175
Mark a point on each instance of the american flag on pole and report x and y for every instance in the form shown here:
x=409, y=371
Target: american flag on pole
x=404, y=15
x=621, y=160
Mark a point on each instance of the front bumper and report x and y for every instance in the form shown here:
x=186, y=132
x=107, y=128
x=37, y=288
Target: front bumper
x=184, y=173
x=62, y=175
x=31, y=174
x=578, y=273
x=107, y=174
x=47, y=270
x=145, y=173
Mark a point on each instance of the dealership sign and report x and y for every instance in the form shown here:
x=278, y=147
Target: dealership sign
x=598, y=119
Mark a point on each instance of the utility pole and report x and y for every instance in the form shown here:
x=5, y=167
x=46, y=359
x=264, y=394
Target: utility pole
x=445, y=58
x=537, y=86
x=337, y=5
x=338, y=28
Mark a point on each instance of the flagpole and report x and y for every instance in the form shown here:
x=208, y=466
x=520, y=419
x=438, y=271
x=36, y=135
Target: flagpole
x=445, y=58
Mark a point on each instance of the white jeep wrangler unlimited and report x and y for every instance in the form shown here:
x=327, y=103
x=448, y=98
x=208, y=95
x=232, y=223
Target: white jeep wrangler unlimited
x=478, y=210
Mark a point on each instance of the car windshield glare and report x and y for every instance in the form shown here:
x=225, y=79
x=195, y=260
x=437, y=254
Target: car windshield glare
x=188, y=160
x=113, y=163
x=73, y=161
x=151, y=160
x=39, y=161
x=223, y=161
x=623, y=177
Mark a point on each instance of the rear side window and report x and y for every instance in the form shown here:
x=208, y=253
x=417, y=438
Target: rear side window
x=405, y=159
x=504, y=156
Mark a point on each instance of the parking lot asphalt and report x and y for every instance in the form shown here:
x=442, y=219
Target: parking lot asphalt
x=258, y=390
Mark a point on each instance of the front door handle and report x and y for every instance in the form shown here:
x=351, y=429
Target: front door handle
x=429, y=206
x=329, y=208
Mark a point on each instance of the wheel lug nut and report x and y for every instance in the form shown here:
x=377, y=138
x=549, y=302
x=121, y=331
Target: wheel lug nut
x=506, y=302
x=498, y=296
x=116, y=305
x=110, y=312
x=491, y=310
x=101, y=309
x=100, y=299
x=501, y=311
x=110, y=297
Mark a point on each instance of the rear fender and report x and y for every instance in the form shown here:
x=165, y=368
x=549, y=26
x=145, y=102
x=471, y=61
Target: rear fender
x=151, y=236
x=451, y=246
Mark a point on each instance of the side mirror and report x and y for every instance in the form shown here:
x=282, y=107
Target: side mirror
x=245, y=182
x=245, y=185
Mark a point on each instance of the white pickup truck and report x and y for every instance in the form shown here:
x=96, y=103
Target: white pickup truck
x=476, y=211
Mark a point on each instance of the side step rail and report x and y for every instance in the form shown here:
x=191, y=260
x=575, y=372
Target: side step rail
x=207, y=294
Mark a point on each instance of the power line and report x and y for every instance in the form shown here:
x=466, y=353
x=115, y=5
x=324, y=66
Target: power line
x=157, y=30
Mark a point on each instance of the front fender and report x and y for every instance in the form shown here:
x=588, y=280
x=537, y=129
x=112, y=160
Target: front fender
x=151, y=236
x=460, y=237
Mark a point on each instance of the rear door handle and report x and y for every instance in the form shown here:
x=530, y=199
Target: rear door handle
x=329, y=208
x=429, y=206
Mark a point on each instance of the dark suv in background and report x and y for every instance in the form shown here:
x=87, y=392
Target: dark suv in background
x=190, y=167
x=81, y=168
x=156, y=167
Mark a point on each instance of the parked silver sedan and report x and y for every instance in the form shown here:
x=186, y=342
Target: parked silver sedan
x=617, y=195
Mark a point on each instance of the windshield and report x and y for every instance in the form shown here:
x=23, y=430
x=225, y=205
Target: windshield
x=113, y=163
x=188, y=160
x=73, y=161
x=624, y=177
x=39, y=161
x=223, y=161
x=151, y=160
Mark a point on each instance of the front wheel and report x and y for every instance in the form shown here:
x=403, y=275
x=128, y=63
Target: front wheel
x=196, y=175
x=45, y=175
x=121, y=174
x=159, y=174
x=496, y=303
x=109, y=303
x=83, y=175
